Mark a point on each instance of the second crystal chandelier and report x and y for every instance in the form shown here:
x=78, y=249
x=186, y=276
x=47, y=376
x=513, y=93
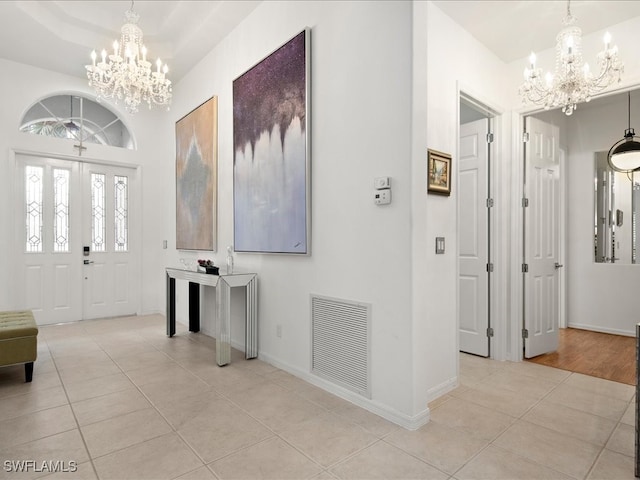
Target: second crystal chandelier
x=573, y=81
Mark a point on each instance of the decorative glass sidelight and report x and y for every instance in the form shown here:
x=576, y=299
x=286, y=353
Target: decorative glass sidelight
x=98, y=216
x=33, y=199
x=121, y=213
x=77, y=118
x=61, y=210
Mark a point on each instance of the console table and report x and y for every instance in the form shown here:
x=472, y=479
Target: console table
x=223, y=285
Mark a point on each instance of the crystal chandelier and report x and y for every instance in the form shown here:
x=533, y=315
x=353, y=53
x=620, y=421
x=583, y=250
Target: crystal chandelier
x=126, y=74
x=573, y=82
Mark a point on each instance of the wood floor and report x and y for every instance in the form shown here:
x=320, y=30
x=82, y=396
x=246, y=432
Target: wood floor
x=596, y=354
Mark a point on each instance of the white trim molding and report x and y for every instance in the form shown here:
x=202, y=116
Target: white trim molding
x=408, y=422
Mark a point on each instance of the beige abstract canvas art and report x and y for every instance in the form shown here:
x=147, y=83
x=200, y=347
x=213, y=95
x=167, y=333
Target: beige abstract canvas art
x=196, y=178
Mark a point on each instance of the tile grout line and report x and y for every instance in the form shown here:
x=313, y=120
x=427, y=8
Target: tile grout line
x=139, y=390
x=291, y=391
x=275, y=434
x=155, y=408
x=521, y=419
x=75, y=418
x=226, y=398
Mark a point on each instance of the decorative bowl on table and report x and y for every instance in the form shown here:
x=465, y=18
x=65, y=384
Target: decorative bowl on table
x=207, y=266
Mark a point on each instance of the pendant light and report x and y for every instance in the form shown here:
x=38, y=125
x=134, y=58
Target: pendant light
x=71, y=125
x=624, y=156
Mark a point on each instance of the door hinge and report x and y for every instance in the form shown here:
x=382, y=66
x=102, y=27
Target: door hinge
x=525, y=137
x=489, y=202
x=525, y=202
x=489, y=137
x=525, y=268
x=525, y=333
x=489, y=332
x=489, y=267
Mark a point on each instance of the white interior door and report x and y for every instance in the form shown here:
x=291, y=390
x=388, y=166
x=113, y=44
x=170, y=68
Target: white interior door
x=65, y=206
x=473, y=280
x=48, y=239
x=109, y=267
x=541, y=238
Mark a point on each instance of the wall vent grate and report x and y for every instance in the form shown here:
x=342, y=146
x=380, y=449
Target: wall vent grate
x=340, y=346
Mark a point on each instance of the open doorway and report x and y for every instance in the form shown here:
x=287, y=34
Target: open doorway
x=598, y=266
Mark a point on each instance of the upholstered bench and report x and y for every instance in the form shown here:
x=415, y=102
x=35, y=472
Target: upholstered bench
x=18, y=340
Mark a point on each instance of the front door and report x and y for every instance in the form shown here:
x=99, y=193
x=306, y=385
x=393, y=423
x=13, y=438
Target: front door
x=47, y=240
x=73, y=241
x=110, y=284
x=541, y=238
x=473, y=260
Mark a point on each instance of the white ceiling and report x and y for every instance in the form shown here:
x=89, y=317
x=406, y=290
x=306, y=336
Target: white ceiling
x=60, y=35
x=512, y=29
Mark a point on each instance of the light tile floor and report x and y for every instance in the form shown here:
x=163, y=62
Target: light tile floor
x=123, y=401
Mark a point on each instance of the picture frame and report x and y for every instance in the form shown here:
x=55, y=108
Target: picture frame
x=438, y=172
x=197, y=178
x=271, y=152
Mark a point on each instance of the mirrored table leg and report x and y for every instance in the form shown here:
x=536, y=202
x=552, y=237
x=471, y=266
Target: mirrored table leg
x=223, y=323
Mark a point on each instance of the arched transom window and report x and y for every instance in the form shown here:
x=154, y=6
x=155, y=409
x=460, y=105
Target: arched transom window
x=76, y=118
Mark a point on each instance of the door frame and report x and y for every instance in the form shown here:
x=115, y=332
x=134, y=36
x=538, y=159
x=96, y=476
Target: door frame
x=499, y=181
x=135, y=219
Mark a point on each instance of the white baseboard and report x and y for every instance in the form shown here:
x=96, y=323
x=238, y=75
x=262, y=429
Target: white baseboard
x=442, y=389
x=384, y=411
x=615, y=331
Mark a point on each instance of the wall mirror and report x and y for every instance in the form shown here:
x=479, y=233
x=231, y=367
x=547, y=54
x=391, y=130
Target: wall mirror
x=617, y=203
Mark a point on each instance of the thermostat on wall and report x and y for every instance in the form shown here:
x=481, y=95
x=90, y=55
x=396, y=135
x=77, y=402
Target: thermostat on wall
x=381, y=182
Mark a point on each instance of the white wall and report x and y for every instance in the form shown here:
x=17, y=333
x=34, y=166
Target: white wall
x=20, y=87
x=600, y=296
x=438, y=76
x=360, y=128
x=384, y=90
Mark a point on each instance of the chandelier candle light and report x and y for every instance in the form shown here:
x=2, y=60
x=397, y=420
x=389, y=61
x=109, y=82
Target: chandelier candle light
x=573, y=81
x=127, y=74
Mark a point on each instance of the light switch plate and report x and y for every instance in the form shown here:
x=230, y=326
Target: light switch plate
x=439, y=245
x=382, y=197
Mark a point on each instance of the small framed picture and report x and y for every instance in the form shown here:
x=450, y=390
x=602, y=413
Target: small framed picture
x=439, y=172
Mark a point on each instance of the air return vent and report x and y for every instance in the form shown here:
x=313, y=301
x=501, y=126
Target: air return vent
x=340, y=346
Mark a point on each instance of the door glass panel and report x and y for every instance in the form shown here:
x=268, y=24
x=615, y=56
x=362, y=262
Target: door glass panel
x=121, y=194
x=61, y=210
x=98, y=200
x=33, y=199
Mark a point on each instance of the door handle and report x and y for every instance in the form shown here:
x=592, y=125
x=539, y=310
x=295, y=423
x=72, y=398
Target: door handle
x=87, y=262
x=557, y=265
